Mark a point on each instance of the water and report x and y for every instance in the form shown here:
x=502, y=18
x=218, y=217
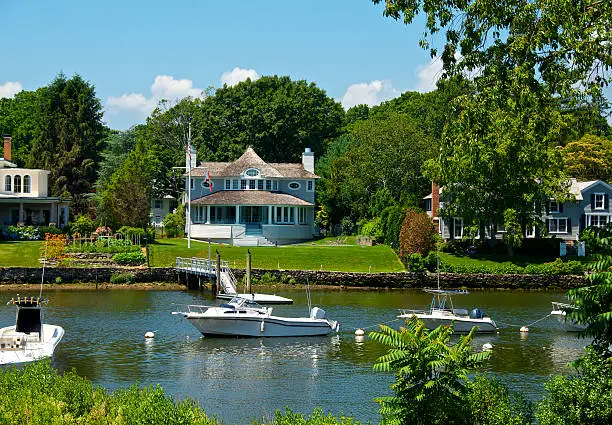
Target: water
x=244, y=379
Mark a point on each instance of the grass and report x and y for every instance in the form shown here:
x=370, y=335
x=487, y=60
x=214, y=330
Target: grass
x=317, y=256
x=492, y=260
x=20, y=253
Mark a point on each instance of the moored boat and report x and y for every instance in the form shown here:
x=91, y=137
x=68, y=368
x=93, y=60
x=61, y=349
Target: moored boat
x=559, y=311
x=243, y=317
x=29, y=339
x=442, y=312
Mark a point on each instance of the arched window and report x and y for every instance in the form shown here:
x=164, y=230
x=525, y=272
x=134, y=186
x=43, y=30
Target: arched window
x=8, y=187
x=252, y=172
x=17, y=184
x=26, y=184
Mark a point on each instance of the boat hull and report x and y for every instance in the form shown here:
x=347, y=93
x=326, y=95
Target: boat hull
x=260, y=326
x=13, y=353
x=460, y=325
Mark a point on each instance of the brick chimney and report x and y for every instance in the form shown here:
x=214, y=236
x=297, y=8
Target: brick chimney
x=435, y=204
x=7, y=148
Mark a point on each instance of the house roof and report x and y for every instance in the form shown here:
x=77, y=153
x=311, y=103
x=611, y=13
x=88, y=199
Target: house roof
x=5, y=163
x=250, y=197
x=250, y=159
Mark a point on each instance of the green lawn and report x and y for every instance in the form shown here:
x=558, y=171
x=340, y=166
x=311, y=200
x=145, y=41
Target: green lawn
x=20, y=254
x=492, y=260
x=317, y=256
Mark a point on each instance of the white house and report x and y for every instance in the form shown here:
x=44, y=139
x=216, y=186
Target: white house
x=252, y=202
x=24, y=195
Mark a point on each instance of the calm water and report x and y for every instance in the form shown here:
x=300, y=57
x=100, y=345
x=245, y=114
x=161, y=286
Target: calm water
x=243, y=379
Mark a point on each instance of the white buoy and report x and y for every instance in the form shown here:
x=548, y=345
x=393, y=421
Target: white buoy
x=360, y=332
x=149, y=334
x=487, y=347
x=524, y=329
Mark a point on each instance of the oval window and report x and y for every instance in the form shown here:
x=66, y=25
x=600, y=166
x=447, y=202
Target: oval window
x=294, y=185
x=252, y=172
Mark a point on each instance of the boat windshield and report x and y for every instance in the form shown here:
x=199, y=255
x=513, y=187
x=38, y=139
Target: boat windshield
x=244, y=303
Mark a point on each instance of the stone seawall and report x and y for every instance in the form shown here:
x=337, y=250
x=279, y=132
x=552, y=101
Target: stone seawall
x=375, y=280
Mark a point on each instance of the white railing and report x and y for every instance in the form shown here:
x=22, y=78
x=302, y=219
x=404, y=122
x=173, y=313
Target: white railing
x=199, y=265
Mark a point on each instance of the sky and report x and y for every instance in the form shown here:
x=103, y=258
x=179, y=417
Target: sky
x=137, y=52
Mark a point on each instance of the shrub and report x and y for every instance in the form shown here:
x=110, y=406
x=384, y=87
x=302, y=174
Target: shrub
x=417, y=235
x=119, y=278
x=415, y=263
x=105, y=245
x=129, y=258
x=373, y=228
x=490, y=403
x=83, y=225
x=54, y=246
x=392, y=219
x=174, y=223
x=347, y=226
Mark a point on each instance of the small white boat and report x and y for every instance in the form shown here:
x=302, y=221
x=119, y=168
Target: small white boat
x=559, y=311
x=243, y=317
x=29, y=339
x=442, y=312
x=258, y=298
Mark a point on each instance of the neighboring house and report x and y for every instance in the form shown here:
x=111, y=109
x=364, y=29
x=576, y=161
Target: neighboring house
x=591, y=206
x=24, y=198
x=252, y=202
x=160, y=208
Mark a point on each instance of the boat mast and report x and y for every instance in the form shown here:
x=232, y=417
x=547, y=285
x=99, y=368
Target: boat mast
x=189, y=188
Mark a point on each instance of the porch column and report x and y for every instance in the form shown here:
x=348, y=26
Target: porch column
x=53, y=215
x=237, y=214
x=295, y=215
x=270, y=208
x=207, y=214
x=21, y=218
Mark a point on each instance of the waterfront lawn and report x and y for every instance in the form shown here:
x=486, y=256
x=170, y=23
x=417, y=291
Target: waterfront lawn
x=20, y=253
x=492, y=260
x=351, y=258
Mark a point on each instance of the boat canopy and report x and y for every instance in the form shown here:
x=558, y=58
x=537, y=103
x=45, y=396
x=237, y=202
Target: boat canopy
x=446, y=291
x=28, y=320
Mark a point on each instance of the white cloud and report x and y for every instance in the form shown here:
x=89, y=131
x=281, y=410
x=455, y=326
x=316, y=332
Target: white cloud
x=163, y=87
x=428, y=75
x=238, y=75
x=372, y=93
x=10, y=89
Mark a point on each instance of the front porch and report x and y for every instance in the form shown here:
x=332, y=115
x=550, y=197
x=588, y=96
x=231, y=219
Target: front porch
x=32, y=211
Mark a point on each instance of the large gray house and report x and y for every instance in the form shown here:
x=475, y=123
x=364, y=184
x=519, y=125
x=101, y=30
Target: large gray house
x=250, y=201
x=590, y=206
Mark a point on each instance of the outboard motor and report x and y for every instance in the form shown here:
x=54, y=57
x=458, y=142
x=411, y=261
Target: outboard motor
x=317, y=313
x=476, y=313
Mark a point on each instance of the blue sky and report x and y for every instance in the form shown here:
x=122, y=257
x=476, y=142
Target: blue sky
x=136, y=52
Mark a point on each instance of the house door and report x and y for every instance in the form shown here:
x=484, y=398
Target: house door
x=253, y=214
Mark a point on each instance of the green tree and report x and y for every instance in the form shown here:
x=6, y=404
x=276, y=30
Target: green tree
x=594, y=302
x=431, y=375
x=278, y=117
x=126, y=199
x=513, y=236
x=117, y=147
x=589, y=158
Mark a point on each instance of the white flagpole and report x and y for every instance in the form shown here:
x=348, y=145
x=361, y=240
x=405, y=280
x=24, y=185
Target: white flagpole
x=189, y=190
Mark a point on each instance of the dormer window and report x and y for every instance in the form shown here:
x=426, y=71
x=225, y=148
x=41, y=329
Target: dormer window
x=554, y=206
x=8, y=187
x=599, y=201
x=252, y=172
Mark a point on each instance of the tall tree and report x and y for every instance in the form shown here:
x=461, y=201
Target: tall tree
x=117, y=147
x=68, y=137
x=589, y=158
x=278, y=117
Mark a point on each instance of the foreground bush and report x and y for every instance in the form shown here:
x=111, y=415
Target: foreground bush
x=37, y=394
x=130, y=258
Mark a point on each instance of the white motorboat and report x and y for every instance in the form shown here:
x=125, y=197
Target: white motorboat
x=228, y=291
x=243, y=317
x=559, y=311
x=29, y=339
x=442, y=312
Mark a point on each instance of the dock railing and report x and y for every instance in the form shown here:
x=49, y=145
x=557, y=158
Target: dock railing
x=199, y=266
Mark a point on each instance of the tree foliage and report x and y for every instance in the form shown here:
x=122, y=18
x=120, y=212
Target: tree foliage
x=418, y=234
x=589, y=158
x=431, y=375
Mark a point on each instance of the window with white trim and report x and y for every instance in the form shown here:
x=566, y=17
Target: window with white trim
x=530, y=232
x=27, y=184
x=8, y=187
x=252, y=172
x=553, y=206
x=599, y=201
x=557, y=225
x=235, y=184
x=260, y=184
x=598, y=220
x=274, y=185
x=17, y=184
x=157, y=203
x=458, y=228
x=228, y=184
x=309, y=185
x=251, y=184
x=302, y=215
x=243, y=184
x=268, y=185
x=294, y=185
